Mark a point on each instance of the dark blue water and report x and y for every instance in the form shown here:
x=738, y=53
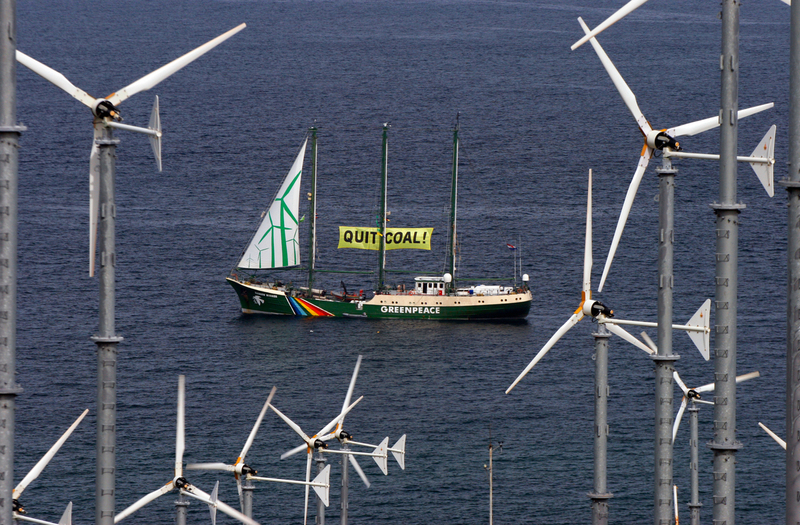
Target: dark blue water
x=534, y=116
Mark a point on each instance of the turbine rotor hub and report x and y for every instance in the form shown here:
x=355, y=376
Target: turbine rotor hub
x=660, y=140
x=181, y=482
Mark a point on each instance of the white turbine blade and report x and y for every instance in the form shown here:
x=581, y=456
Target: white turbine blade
x=351, y=387
x=42, y=463
x=744, y=377
x=211, y=466
x=649, y=342
x=681, y=384
x=699, y=126
x=675, y=501
x=587, y=248
x=765, y=172
x=293, y=425
x=198, y=494
x=613, y=19
x=308, y=478
x=150, y=80
x=253, y=432
x=381, y=456
x=625, y=92
x=621, y=332
x=56, y=78
x=213, y=507
x=358, y=470
x=677, y=422
x=399, y=452
x=323, y=478
x=180, y=434
x=144, y=501
x=773, y=435
x=94, y=200
x=327, y=428
x=572, y=321
x=702, y=318
x=66, y=518
x=155, y=140
x=294, y=451
x=644, y=160
x=22, y=517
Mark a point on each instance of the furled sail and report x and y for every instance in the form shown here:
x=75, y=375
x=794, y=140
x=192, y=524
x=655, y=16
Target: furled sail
x=275, y=243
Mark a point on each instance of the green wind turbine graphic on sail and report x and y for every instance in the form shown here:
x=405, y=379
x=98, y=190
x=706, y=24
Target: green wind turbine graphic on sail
x=275, y=243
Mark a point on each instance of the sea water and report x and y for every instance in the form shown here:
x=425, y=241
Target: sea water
x=534, y=117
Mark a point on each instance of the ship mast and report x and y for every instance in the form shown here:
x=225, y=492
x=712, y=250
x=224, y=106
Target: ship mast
x=451, y=249
x=382, y=211
x=312, y=256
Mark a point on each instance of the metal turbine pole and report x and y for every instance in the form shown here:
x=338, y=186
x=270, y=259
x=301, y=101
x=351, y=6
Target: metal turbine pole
x=181, y=504
x=600, y=494
x=727, y=211
x=247, y=496
x=694, y=504
x=345, y=484
x=792, y=185
x=106, y=339
x=9, y=147
x=320, y=520
x=664, y=359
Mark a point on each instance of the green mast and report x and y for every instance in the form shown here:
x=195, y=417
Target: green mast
x=382, y=211
x=451, y=249
x=312, y=243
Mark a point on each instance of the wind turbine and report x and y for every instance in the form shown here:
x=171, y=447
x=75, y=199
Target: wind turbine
x=316, y=442
x=18, y=509
x=180, y=483
x=239, y=467
x=655, y=139
x=107, y=115
x=693, y=394
x=587, y=306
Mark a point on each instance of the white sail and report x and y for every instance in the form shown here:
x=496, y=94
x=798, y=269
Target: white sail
x=275, y=244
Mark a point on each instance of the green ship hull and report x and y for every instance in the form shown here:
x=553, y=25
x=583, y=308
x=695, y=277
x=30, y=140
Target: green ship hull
x=273, y=300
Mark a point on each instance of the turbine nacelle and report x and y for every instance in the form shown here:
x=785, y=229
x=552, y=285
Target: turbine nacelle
x=660, y=140
x=594, y=309
x=104, y=109
x=17, y=507
x=342, y=435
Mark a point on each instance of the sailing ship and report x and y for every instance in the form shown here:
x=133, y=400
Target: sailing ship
x=276, y=245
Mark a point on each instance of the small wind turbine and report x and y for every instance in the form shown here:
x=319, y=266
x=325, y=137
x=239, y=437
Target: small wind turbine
x=18, y=509
x=180, y=483
x=587, y=306
x=239, y=467
x=663, y=140
x=316, y=443
x=107, y=115
x=693, y=394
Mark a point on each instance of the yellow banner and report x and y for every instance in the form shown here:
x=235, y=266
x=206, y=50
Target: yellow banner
x=396, y=238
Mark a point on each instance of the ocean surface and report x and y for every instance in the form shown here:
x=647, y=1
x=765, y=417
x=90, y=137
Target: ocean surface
x=534, y=116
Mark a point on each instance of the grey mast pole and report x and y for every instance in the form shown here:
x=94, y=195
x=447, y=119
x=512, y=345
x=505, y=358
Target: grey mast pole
x=382, y=211
x=664, y=359
x=792, y=185
x=694, y=504
x=345, y=484
x=9, y=147
x=247, y=496
x=600, y=494
x=106, y=339
x=727, y=211
x=312, y=243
